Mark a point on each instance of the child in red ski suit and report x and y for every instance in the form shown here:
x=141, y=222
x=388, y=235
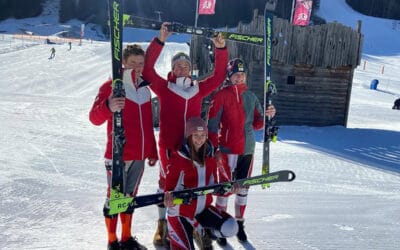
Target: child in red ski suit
x=140, y=141
x=194, y=165
x=234, y=113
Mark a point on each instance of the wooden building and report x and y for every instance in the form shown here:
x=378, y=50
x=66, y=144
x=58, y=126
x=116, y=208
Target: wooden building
x=312, y=68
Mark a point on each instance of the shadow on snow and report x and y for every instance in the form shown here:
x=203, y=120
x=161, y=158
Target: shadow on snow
x=373, y=147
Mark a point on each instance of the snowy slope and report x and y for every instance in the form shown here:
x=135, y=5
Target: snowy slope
x=52, y=183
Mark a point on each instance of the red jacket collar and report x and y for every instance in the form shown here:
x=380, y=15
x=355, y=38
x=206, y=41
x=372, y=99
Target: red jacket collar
x=172, y=78
x=240, y=87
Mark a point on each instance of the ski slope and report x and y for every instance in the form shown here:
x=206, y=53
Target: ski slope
x=52, y=183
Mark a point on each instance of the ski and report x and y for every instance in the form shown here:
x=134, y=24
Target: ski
x=270, y=130
x=116, y=26
x=121, y=203
x=145, y=23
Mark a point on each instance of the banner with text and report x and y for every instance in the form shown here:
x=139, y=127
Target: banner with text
x=207, y=7
x=302, y=12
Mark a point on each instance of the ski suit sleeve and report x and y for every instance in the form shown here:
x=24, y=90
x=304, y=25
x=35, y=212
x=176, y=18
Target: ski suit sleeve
x=209, y=84
x=215, y=172
x=214, y=118
x=100, y=111
x=258, y=121
x=149, y=71
x=173, y=173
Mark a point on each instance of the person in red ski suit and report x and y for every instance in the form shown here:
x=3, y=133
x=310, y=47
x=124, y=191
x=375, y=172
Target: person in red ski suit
x=235, y=112
x=194, y=165
x=180, y=98
x=140, y=141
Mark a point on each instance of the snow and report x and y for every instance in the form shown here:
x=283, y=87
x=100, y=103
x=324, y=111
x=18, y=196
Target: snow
x=346, y=194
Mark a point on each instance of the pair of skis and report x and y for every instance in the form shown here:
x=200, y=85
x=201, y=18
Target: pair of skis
x=270, y=130
x=116, y=30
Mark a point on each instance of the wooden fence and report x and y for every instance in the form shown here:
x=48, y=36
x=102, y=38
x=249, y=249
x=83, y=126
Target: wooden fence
x=312, y=68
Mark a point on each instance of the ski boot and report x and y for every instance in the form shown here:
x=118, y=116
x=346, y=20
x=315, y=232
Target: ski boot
x=132, y=244
x=113, y=245
x=241, y=235
x=222, y=241
x=203, y=239
x=161, y=235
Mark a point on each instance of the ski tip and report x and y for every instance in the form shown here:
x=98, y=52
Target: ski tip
x=291, y=175
x=270, y=5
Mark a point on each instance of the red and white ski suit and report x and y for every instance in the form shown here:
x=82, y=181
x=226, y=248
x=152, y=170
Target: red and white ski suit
x=137, y=120
x=177, y=105
x=234, y=113
x=184, y=173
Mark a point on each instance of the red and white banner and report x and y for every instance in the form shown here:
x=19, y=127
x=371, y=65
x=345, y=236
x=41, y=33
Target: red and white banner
x=207, y=7
x=302, y=12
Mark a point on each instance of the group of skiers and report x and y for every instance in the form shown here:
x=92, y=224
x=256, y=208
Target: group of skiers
x=191, y=152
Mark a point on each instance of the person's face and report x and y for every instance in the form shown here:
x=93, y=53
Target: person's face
x=198, y=139
x=181, y=69
x=135, y=62
x=238, y=78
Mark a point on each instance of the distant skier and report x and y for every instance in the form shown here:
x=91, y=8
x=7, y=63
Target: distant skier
x=396, y=104
x=53, y=53
x=70, y=45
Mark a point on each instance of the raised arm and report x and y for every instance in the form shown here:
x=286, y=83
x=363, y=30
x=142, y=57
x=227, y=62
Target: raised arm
x=209, y=84
x=152, y=54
